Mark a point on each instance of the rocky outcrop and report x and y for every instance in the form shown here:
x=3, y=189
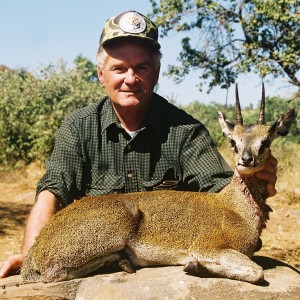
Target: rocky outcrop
x=281, y=282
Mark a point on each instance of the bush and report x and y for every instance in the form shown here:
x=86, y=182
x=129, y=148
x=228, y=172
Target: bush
x=275, y=107
x=32, y=107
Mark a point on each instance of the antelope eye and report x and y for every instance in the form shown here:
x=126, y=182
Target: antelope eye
x=264, y=144
x=233, y=145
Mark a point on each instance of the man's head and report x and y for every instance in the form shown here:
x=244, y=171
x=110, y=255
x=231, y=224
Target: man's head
x=127, y=26
x=128, y=60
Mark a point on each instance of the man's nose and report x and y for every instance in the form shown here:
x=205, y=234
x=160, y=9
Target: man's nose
x=130, y=77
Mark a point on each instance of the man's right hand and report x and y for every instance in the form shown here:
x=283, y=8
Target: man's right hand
x=11, y=266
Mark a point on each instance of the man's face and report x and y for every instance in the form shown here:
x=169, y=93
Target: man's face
x=129, y=75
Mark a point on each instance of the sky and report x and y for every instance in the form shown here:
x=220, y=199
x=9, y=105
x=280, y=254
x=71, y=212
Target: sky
x=36, y=33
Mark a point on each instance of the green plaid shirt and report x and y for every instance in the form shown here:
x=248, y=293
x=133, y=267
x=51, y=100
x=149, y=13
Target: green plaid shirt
x=94, y=155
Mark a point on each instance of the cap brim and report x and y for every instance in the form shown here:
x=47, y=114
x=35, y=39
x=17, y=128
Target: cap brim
x=153, y=43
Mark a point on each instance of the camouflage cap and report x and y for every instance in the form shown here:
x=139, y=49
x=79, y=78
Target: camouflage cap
x=130, y=24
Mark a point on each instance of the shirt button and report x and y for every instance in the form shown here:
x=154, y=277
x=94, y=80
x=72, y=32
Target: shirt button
x=129, y=147
x=129, y=175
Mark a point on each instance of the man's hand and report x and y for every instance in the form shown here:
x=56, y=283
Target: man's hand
x=11, y=266
x=268, y=174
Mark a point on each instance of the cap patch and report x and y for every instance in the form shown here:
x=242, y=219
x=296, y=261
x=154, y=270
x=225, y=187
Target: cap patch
x=132, y=22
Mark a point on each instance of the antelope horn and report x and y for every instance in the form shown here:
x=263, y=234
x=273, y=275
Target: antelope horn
x=238, y=113
x=261, y=120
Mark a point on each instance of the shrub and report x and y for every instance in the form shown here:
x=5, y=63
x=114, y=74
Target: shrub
x=33, y=105
x=275, y=107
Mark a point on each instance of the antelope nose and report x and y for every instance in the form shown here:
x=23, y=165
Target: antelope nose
x=247, y=159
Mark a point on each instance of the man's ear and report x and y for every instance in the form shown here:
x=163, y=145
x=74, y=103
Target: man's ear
x=157, y=74
x=100, y=76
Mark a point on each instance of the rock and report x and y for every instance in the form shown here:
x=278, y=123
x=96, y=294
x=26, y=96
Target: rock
x=281, y=282
x=297, y=191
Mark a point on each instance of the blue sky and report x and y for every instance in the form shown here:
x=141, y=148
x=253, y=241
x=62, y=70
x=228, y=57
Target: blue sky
x=39, y=32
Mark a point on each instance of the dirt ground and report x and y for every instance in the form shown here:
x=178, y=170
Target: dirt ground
x=281, y=238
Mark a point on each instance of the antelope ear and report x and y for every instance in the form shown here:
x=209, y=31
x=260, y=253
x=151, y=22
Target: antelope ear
x=282, y=126
x=226, y=125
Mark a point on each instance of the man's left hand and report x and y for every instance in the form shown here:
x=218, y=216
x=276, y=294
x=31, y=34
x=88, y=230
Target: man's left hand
x=268, y=174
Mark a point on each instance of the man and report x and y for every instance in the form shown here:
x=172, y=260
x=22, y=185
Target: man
x=133, y=140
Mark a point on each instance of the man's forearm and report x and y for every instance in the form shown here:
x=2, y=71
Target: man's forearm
x=45, y=207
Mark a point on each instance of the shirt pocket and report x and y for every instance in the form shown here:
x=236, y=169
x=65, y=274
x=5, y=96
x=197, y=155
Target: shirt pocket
x=104, y=182
x=167, y=179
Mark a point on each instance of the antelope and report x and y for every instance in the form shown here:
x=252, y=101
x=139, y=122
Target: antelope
x=210, y=234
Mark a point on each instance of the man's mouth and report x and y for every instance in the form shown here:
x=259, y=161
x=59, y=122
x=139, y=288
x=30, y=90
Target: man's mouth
x=131, y=92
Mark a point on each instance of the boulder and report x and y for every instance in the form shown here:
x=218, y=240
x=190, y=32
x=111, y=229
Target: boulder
x=281, y=282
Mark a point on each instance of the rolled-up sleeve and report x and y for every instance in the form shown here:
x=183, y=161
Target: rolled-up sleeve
x=63, y=175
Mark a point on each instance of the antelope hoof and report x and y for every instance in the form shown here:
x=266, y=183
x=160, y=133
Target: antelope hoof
x=126, y=265
x=258, y=245
x=195, y=268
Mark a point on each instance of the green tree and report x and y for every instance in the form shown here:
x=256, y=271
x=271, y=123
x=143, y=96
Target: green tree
x=227, y=38
x=34, y=104
x=87, y=67
x=275, y=107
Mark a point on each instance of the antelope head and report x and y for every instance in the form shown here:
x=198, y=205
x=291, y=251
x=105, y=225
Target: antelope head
x=251, y=143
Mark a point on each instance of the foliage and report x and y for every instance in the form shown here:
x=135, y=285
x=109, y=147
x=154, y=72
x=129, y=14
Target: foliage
x=88, y=68
x=32, y=107
x=275, y=107
x=226, y=38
